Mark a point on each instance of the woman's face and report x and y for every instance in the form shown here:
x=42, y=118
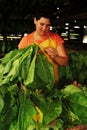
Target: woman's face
x=42, y=26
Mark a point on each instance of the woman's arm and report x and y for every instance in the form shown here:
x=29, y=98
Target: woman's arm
x=59, y=55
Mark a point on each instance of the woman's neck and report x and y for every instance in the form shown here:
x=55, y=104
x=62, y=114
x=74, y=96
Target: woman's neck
x=40, y=37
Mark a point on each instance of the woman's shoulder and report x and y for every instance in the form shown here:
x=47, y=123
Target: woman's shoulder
x=54, y=34
x=56, y=37
x=30, y=35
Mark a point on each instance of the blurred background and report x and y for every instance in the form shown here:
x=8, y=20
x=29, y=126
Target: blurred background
x=69, y=20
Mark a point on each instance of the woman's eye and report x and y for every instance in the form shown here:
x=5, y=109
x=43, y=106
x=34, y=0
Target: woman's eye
x=41, y=24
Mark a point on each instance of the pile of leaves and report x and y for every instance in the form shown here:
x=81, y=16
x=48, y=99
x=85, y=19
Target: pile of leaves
x=28, y=98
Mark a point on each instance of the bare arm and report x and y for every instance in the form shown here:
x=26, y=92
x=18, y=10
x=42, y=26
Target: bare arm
x=59, y=55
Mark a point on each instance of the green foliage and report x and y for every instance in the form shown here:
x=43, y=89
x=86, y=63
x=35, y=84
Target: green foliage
x=26, y=112
x=9, y=111
x=75, y=70
x=57, y=109
x=1, y=103
x=25, y=66
x=74, y=106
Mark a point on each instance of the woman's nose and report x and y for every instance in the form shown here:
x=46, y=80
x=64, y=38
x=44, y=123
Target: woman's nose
x=44, y=27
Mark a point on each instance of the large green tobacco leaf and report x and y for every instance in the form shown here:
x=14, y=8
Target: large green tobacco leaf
x=9, y=56
x=30, y=76
x=42, y=73
x=75, y=104
x=49, y=103
x=26, y=112
x=69, y=89
x=78, y=104
x=51, y=110
x=44, y=70
x=12, y=70
x=9, y=111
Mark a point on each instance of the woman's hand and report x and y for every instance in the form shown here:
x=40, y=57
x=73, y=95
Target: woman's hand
x=58, y=54
x=52, y=52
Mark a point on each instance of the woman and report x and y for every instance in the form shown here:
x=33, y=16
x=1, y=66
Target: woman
x=50, y=43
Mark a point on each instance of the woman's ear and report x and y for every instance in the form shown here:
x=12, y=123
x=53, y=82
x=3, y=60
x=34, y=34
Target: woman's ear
x=35, y=20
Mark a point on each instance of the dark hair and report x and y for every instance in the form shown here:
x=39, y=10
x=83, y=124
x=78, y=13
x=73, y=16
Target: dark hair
x=43, y=12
